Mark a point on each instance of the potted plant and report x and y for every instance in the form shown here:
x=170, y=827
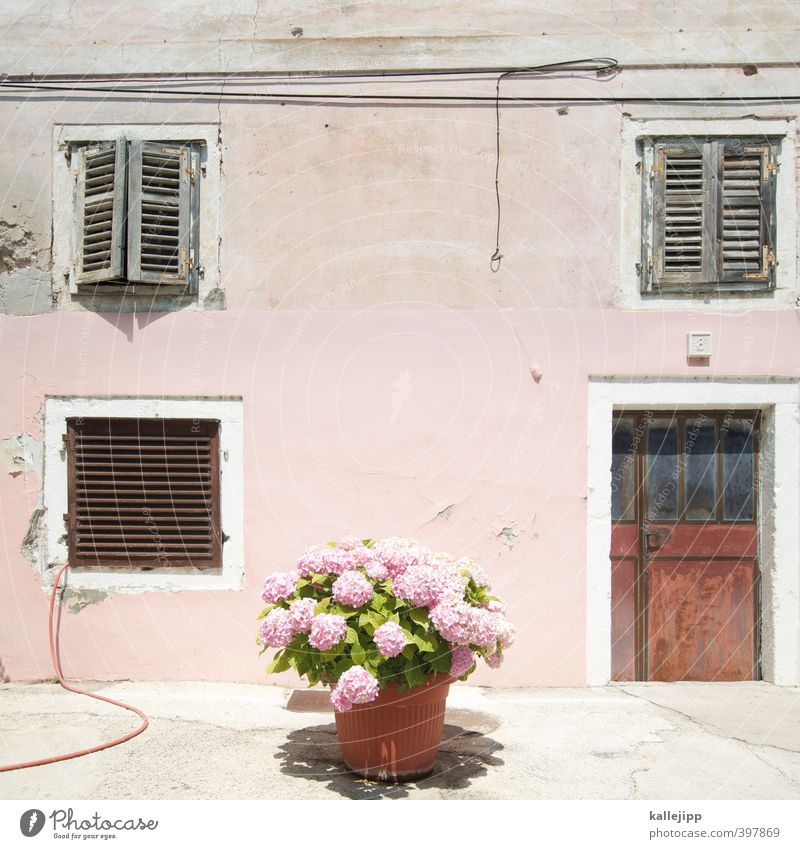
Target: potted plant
x=388, y=625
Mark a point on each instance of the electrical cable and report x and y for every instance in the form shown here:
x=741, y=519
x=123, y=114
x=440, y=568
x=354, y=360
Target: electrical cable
x=295, y=96
x=54, y=656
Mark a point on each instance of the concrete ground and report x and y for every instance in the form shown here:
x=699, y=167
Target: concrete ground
x=238, y=741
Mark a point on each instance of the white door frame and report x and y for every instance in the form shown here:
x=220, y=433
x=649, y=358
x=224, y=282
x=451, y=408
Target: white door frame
x=778, y=512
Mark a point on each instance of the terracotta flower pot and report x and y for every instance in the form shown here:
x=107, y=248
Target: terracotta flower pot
x=396, y=737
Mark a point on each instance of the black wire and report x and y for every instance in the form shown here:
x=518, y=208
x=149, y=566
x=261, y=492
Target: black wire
x=289, y=97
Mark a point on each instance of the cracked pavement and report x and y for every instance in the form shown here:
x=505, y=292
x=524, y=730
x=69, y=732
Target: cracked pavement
x=246, y=741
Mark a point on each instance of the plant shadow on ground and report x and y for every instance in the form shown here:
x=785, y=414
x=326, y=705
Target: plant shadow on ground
x=466, y=754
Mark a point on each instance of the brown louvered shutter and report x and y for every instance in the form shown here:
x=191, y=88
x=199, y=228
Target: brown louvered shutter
x=144, y=493
x=100, y=212
x=162, y=213
x=746, y=197
x=683, y=221
x=712, y=211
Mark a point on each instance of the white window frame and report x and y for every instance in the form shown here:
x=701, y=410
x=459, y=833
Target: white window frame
x=66, y=135
x=628, y=291
x=229, y=412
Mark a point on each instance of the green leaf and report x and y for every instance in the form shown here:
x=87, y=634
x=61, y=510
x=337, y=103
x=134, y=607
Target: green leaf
x=410, y=650
x=322, y=606
x=414, y=676
x=279, y=663
x=359, y=654
x=422, y=642
x=351, y=636
x=442, y=662
x=331, y=544
x=419, y=616
x=369, y=543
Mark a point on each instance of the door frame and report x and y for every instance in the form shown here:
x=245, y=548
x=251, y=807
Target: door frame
x=779, y=471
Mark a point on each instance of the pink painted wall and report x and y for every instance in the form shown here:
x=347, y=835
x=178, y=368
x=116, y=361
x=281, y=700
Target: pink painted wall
x=354, y=248
x=323, y=457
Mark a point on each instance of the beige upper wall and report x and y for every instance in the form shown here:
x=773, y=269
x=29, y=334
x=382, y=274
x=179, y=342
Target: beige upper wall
x=182, y=36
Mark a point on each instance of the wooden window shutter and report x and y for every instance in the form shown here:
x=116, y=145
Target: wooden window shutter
x=143, y=493
x=682, y=250
x=746, y=218
x=100, y=212
x=162, y=213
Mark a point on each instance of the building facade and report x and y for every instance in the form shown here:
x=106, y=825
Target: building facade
x=260, y=239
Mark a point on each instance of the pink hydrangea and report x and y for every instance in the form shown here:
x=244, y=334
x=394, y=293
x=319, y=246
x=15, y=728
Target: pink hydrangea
x=340, y=701
x=376, y=570
x=327, y=630
x=397, y=554
x=471, y=569
x=277, y=629
x=453, y=620
x=425, y=585
x=279, y=586
x=493, y=661
x=311, y=560
x=352, y=589
x=301, y=613
x=496, y=606
x=338, y=561
x=463, y=659
x=485, y=627
x=348, y=543
x=506, y=633
x=357, y=686
x=390, y=639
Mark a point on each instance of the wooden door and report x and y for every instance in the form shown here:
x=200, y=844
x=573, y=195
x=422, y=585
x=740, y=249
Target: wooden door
x=684, y=546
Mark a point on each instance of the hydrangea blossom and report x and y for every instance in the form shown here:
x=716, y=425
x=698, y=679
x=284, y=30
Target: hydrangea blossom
x=277, y=629
x=506, y=633
x=348, y=543
x=463, y=659
x=311, y=560
x=493, y=661
x=453, y=620
x=425, y=585
x=376, y=570
x=278, y=586
x=327, y=630
x=390, y=639
x=356, y=687
x=338, y=561
x=485, y=627
x=470, y=569
x=352, y=589
x=397, y=554
x=301, y=614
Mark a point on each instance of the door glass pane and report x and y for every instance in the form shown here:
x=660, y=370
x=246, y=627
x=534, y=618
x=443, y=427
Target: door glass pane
x=623, y=472
x=737, y=470
x=700, y=451
x=662, y=470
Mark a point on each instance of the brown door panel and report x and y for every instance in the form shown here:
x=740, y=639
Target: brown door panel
x=701, y=620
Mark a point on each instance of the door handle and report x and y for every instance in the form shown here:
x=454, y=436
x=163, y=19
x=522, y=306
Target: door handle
x=653, y=540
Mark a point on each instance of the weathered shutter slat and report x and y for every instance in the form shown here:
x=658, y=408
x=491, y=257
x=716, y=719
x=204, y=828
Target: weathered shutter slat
x=161, y=246
x=682, y=219
x=157, y=508
x=746, y=211
x=100, y=213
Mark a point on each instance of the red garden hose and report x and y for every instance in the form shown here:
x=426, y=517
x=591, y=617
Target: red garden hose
x=57, y=667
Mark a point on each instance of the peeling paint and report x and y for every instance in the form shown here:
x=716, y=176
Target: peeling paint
x=16, y=250
x=32, y=542
x=445, y=514
x=508, y=536
x=214, y=300
x=77, y=600
x=19, y=454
